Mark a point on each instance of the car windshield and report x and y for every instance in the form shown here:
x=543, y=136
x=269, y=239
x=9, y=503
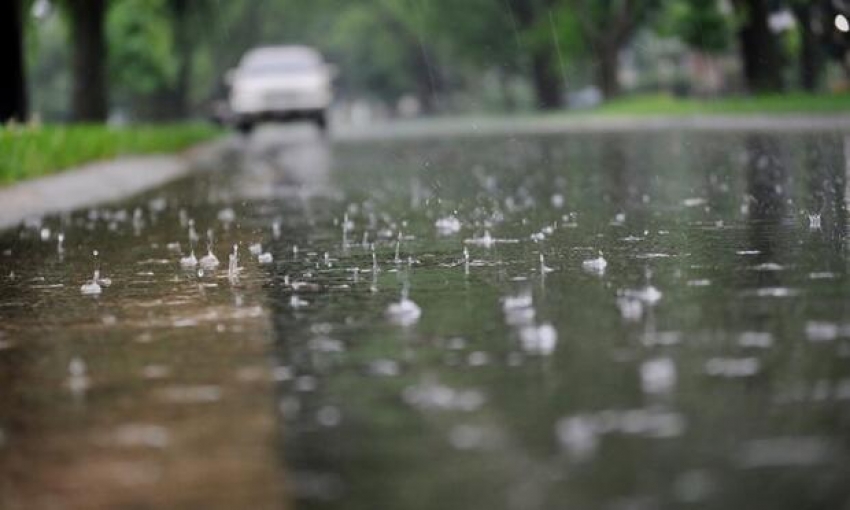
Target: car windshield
x=279, y=67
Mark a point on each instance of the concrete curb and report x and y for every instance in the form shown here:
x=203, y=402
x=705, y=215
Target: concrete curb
x=102, y=181
x=487, y=126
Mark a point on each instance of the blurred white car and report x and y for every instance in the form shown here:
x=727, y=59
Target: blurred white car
x=280, y=83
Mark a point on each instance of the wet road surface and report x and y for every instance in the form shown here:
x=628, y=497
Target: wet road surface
x=620, y=320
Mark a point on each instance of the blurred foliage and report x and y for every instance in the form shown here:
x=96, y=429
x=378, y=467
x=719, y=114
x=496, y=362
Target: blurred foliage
x=140, y=43
x=700, y=23
x=167, y=58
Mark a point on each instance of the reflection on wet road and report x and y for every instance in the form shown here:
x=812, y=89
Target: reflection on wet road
x=630, y=320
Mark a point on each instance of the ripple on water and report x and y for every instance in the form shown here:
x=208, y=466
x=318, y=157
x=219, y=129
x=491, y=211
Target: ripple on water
x=539, y=340
x=819, y=331
x=755, y=339
x=732, y=367
x=430, y=395
x=137, y=435
x=404, y=312
x=581, y=434
x=658, y=375
x=787, y=451
x=197, y=394
x=773, y=292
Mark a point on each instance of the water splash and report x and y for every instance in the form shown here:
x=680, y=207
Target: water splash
x=595, y=266
x=543, y=267
x=227, y=216
x=95, y=286
x=190, y=261
x=78, y=380
x=375, y=267
x=814, y=221
x=485, y=241
x=648, y=295
x=397, y=260
x=209, y=261
x=404, y=312
x=296, y=302
x=448, y=225
x=347, y=226
x=631, y=308
x=658, y=375
x=233, y=264
x=538, y=340
x=193, y=234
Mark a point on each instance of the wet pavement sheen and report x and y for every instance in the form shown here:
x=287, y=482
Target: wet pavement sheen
x=435, y=329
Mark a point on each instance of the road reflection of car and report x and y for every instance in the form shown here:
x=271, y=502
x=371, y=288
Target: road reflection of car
x=280, y=83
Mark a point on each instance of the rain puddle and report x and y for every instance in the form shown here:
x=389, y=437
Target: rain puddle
x=583, y=321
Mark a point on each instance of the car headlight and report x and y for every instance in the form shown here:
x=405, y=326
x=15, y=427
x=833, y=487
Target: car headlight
x=242, y=99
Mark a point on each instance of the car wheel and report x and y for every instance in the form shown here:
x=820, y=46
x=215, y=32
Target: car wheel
x=245, y=128
x=322, y=121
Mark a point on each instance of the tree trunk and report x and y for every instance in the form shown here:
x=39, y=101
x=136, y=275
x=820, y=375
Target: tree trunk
x=508, y=99
x=759, y=49
x=429, y=80
x=88, y=96
x=13, y=99
x=811, y=58
x=425, y=86
x=607, y=68
x=547, y=84
x=183, y=48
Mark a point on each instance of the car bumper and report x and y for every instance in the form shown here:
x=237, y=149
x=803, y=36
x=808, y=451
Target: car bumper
x=276, y=115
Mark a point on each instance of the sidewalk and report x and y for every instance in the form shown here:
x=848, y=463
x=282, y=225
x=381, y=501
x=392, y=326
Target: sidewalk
x=100, y=182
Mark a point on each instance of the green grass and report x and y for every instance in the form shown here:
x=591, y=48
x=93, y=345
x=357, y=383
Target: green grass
x=32, y=151
x=661, y=104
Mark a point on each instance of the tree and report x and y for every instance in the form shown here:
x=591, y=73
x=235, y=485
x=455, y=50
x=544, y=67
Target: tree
x=701, y=25
x=836, y=41
x=13, y=100
x=141, y=58
x=607, y=26
x=191, y=21
x=760, y=54
x=530, y=16
x=809, y=15
x=88, y=61
x=408, y=21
